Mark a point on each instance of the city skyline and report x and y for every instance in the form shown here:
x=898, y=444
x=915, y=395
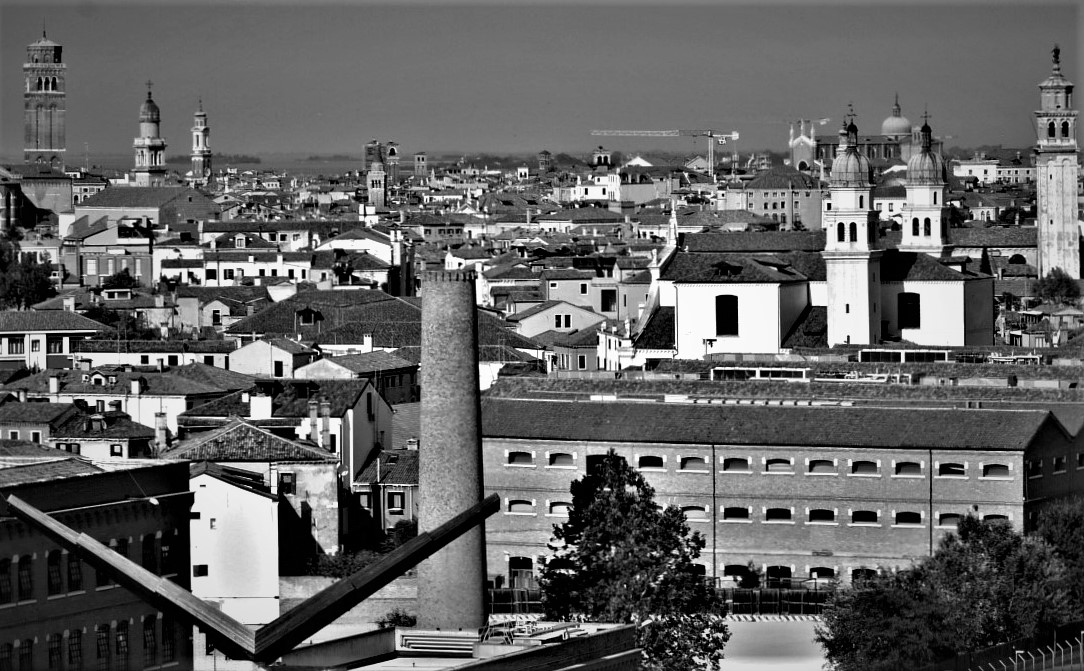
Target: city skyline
x=327, y=78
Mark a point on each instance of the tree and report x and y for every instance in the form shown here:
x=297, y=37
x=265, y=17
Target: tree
x=1061, y=525
x=121, y=279
x=23, y=280
x=985, y=584
x=1058, y=287
x=620, y=558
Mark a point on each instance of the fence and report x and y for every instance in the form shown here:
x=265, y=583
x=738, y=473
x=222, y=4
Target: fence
x=737, y=601
x=1050, y=648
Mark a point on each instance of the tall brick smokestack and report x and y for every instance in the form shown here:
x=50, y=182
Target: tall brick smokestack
x=451, y=583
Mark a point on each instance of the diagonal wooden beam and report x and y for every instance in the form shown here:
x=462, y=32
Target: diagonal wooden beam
x=233, y=638
x=230, y=636
x=310, y=616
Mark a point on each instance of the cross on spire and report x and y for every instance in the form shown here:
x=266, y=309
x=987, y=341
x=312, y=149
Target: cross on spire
x=149, y=85
x=851, y=116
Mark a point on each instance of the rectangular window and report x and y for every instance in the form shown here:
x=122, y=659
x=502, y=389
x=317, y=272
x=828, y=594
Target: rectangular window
x=726, y=315
x=35, y=437
x=16, y=345
x=909, y=310
x=54, y=345
x=116, y=450
x=35, y=345
x=396, y=501
x=227, y=274
x=26, y=578
x=287, y=483
x=6, y=593
x=75, y=649
x=583, y=288
x=92, y=266
x=216, y=317
x=150, y=641
x=13, y=435
x=101, y=633
x=169, y=640
x=581, y=361
x=54, y=574
x=278, y=369
x=199, y=570
x=212, y=274
x=138, y=267
x=75, y=573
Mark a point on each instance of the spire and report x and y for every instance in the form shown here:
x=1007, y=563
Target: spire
x=896, y=110
x=927, y=132
x=1056, y=55
x=852, y=128
x=149, y=85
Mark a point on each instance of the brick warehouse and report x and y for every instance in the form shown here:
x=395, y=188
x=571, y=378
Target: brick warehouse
x=799, y=491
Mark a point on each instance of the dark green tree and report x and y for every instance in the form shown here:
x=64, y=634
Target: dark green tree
x=1061, y=525
x=985, y=584
x=23, y=280
x=1058, y=287
x=622, y=558
x=121, y=279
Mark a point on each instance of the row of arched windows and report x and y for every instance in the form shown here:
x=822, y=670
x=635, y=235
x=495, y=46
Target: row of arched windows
x=927, y=227
x=44, y=84
x=1051, y=129
x=842, y=230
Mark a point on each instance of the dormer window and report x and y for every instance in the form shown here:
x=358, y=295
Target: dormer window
x=239, y=242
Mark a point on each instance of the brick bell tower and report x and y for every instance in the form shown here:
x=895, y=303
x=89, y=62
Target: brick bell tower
x=44, y=103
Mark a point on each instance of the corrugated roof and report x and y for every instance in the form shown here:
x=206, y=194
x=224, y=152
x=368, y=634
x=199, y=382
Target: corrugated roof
x=762, y=426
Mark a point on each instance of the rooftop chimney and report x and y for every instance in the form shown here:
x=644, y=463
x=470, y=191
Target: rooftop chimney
x=54, y=384
x=325, y=429
x=314, y=430
x=451, y=582
x=69, y=303
x=161, y=435
x=259, y=406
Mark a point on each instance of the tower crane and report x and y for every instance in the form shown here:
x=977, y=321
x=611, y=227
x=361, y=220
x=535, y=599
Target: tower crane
x=712, y=135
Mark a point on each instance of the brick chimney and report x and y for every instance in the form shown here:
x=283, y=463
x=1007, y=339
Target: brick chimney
x=451, y=583
x=161, y=434
x=325, y=429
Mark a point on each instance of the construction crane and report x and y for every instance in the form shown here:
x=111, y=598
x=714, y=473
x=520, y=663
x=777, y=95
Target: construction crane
x=712, y=135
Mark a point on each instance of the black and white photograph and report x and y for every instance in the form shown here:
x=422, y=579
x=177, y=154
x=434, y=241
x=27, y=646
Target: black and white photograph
x=542, y=335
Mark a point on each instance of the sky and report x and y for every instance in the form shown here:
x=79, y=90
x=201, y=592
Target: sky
x=520, y=76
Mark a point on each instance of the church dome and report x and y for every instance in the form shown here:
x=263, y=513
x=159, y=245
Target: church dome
x=896, y=123
x=149, y=111
x=850, y=168
x=926, y=167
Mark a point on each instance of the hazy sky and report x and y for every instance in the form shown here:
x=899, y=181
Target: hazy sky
x=523, y=76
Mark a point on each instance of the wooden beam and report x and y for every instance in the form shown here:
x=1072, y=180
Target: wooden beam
x=233, y=638
x=230, y=636
x=310, y=616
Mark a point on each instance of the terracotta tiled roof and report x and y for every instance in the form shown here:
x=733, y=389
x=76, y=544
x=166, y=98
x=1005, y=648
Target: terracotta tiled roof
x=240, y=441
x=46, y=320
x=897, y=266
x=370, y=362
x=658, y=332
x=43, y=470
x=33, y=413
x=390, y=467
x=756, y=425
x=729, y=268
x=1011, y=236
x=116, y=425
x=773, y=241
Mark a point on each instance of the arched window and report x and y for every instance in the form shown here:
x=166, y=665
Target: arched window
x=995, y=471
x=694, y=512
x=862, y=574
x=651, y=461
x=995, y=517
x=726, y=315
x=854, y=232
x=909, y=307
x=1065, y=129
x=777, y=515
x=864, y=517
x=520, y=506
x=914, y=226
x=782, y=218
x=560, y=507
x=821, y=466
x=561, y=459
x=864, y=468
x=693, y=463
x=54, y=84
x=736, y=464
x=1050, y=130
x=949, y=519
x=841, y=232
x=520, y=458
x=39, y=84
x=861, y=202
x=934, y=197
x=735, y=513
x=927, y=228
x=951, y=469
x=1017, y=260
x=908, y=468
x=822, y=515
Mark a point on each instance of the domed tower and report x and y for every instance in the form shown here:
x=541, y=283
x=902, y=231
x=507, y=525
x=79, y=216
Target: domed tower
x=925, y=216
x=150, y=149
x=852, y=251
x=896, y=125
x=1056, y=175
x=201, y=148
x=44, y=103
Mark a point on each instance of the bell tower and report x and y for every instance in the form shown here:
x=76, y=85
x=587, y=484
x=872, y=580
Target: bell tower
x=201, y=148
x=44, y=103
x=925, y=216
x=150, y=148
x=852, y=253
x=1056, y=174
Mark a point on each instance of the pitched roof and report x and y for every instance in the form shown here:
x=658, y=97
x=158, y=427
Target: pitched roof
x=729, y=268
x=136, y=196
x=897, y=266
x=1009, y=236
x=115, y=425
x=390, y=467
x=369, y=362
x=583, y=215
x=240, y=441
x=46, y=320
x=16, y=471
x=173, y=382
x=899, y=428
x=658, y=331
x=152, y=346
x=748, y=241
x=290, y=399
x=34, y=413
